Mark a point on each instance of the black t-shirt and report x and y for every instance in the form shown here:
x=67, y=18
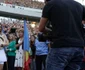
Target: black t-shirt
x=66, y=18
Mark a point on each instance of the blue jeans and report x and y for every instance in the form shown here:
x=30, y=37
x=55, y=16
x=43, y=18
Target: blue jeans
x=64, y=58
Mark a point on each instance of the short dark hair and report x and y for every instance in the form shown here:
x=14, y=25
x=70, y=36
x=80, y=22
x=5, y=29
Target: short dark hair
x=48, y=0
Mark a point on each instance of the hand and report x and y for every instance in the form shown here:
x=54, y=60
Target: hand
x=20, y=43
x=8, y=50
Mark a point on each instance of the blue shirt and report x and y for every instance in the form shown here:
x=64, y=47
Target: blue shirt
x=41, y=47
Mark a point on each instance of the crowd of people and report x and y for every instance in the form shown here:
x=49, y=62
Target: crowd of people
x=12, y=34
x=25, y=3
x=66, y=50
x=11, y=39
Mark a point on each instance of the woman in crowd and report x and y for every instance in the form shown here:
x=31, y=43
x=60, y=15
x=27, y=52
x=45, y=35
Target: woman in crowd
x=11, y=52
x=19, y=52
x=3, y=42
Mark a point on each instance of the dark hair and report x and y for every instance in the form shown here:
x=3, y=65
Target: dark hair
x=13, y=36
x=48, y=0
x=13, y=30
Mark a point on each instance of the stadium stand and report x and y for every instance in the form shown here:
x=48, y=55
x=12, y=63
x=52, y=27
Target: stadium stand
x=25, y=3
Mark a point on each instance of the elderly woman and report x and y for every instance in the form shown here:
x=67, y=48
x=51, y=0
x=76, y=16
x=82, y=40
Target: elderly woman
x=3, y=42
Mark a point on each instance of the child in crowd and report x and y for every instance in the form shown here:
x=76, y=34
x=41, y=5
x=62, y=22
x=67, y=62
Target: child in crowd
x=11, y=52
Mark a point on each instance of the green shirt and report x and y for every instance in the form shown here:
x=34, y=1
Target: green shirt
x=12, y=46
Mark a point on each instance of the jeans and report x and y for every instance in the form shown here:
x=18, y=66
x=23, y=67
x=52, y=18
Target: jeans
x=64, y=58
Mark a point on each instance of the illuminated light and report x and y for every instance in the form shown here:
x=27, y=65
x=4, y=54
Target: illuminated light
x=33, y=25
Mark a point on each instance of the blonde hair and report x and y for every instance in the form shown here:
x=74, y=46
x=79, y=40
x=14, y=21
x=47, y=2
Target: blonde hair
x=21, y=30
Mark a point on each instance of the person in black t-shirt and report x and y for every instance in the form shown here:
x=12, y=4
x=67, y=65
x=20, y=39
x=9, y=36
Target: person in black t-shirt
x=67, y=46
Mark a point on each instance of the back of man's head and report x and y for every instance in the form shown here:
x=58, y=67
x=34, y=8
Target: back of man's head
x=46, y=1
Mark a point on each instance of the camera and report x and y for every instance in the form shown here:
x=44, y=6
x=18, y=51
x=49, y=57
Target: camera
x=47, y=35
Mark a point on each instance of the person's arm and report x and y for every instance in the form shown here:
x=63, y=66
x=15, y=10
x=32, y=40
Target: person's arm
x=43, y=22
x=17, y=45
x=45, y=17
x=12, y=46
